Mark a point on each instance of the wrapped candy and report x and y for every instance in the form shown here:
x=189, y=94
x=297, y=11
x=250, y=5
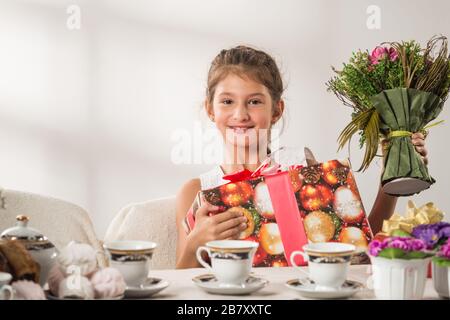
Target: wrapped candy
x=426, y=214
x=78, y=258
x=76, y=287
x=108, y=283
x=28, y=290
x=55, y=277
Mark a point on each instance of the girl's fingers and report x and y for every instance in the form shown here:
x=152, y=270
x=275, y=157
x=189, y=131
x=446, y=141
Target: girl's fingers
x=232, y=233
x=418, y=142
x=232, y=223
x=422, y=150
x=205, y=209
x=227, y=215
x=425, y=160
x=418, y=135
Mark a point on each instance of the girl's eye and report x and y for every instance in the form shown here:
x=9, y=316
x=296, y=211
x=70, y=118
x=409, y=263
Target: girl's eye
x=227, y=101
x=255, y=102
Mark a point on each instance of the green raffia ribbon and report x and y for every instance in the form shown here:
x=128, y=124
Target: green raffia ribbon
x=403, y=133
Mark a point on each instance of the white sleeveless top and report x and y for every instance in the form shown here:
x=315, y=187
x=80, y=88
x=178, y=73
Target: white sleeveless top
x=212, y=178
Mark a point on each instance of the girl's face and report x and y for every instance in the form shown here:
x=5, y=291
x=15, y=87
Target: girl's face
x=243, y=110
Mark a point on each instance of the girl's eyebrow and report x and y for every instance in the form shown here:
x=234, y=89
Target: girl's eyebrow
x=257, y=94
x=231, y=94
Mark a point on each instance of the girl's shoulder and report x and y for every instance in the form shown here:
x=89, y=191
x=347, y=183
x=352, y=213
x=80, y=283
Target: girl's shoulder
x=189, y=188
x=185, y=197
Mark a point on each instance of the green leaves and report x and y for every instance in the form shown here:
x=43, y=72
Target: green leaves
x=392, y=253
x=400, y=233
x=368, y=122
x=396, y=253
x=441, y=261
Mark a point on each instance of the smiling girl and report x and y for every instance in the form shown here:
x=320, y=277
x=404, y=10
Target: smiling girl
x=244, y=100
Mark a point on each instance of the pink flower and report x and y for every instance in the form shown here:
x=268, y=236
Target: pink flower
x=393, y=55
x=375, y=247
x=417, y=245
x=380, y=53
x=399, y=244
x=445, y=250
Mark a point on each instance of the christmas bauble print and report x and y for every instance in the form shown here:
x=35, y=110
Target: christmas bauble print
x=347, y=205
x=327, y=171
x=278, y=263
x=319, y=226
x=270, y=238
x=236, y=193
x=351, y=183
x=315, y=197
x=294, y=175
x=260, y=254
x=213, y=196
x=262, y=201
x=250, y=221
x=355, y=236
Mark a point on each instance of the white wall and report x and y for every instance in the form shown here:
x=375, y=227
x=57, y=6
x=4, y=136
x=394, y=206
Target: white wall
x=87, y=115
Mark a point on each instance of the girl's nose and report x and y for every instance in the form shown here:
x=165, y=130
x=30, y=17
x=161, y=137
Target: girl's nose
x=241, y=113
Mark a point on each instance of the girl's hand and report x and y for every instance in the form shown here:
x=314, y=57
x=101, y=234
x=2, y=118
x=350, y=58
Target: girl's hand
x=418, y=140
x=219, y=226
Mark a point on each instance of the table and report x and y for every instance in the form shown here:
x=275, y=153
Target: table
x=182, y=288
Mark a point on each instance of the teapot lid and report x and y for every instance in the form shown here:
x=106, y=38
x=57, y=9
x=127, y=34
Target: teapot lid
x=22, y=232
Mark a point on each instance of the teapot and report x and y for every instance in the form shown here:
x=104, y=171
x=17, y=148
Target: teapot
x=38, y=245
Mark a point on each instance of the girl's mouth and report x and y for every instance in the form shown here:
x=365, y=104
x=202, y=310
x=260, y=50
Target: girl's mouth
x=240, y=129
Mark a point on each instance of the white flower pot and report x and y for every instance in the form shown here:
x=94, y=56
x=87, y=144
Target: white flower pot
x=398, y=279
x=441, y=280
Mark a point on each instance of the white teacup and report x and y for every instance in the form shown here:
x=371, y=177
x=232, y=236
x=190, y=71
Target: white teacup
x=132, y=258
x=328, y=263
x=231, y=260
x=6, y=291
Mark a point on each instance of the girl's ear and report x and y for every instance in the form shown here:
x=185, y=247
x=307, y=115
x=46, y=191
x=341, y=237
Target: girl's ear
x=209, y=110
x=278, y=111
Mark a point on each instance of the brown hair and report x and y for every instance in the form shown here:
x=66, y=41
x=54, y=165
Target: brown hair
x=243, y=60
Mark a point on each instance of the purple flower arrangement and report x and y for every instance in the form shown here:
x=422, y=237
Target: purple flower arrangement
x=432, y=234
x=426, y=240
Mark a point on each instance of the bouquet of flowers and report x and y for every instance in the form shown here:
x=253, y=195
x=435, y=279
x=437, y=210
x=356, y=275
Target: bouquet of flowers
x=395, y=91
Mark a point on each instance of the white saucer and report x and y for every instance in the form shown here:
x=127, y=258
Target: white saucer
x=209, y=283
x=307, y=288
x=50, y=296
x=148, y=288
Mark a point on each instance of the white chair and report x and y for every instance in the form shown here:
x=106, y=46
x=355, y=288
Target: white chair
x=60, y=221
x=153, y=220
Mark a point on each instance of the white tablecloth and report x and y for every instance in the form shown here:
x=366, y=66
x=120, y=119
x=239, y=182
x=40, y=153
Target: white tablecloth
x=181, y=285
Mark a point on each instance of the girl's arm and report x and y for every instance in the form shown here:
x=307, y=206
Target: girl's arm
x=218, y=226
x=185, y=246
x=382, y=209
x=384, y=205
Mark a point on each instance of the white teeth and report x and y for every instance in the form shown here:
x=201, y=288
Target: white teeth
x=240, y=130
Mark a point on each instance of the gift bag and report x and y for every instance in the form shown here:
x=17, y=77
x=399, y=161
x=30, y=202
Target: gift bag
x=288, y=207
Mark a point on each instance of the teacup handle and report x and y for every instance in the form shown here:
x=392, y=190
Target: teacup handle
x=200, y=259
x=9, y=289
x=305, y=257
